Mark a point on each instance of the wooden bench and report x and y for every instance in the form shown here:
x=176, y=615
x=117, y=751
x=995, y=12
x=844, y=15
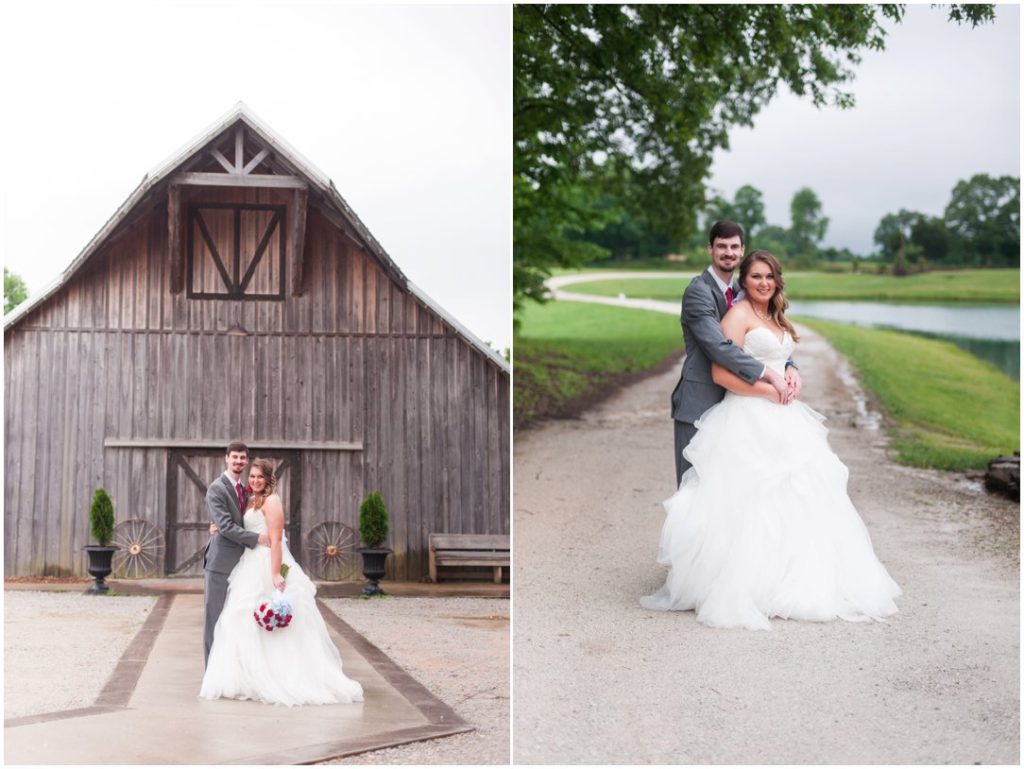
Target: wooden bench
x=470, y=550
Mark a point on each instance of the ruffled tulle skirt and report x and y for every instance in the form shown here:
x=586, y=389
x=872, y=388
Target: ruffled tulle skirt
x=296, y=665
x=761, y=525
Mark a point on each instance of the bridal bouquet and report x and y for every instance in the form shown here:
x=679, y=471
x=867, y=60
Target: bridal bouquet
x=277, y=612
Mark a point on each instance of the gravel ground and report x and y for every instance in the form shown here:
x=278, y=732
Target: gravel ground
x=57, y=669
x=598, y=679
x=459, y=649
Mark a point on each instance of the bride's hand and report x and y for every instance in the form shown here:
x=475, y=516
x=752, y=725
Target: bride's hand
x=213, y=528
x=279, y=582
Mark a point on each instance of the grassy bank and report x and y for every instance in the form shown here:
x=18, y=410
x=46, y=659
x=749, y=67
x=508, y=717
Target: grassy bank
x=959, y=286
x=568, y=353
x=951, y=410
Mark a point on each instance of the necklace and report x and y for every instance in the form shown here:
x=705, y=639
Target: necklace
x=758, y=314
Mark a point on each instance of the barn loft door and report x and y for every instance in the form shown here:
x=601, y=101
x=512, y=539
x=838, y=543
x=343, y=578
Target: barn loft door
x=236, y=251
x=189, y=474
x=243, y=161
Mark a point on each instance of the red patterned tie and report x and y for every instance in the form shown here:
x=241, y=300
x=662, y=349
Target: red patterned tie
x=728, y=297
x=241, y=500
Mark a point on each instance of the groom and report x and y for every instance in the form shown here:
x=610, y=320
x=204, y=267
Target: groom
x=225, y=501
x=708, y=297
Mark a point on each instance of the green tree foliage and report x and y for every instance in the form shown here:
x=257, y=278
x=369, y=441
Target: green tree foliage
x=807, y=223
x=748, y=203
x=773, y=239
x=746, y=209
x=930, y=234
x=634, y=100
x=373, y=520
x=15, y=291
x=893, y=232
x=630, y=237
x=984, y=216
x=101, y=517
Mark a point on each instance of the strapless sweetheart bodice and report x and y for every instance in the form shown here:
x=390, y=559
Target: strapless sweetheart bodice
x=762, y=344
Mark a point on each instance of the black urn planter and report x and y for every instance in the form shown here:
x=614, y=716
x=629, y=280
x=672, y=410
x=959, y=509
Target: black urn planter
x=374, y=560
x=100, y=567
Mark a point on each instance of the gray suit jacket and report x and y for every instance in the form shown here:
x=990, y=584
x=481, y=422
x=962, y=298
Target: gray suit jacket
x=701, y=318
x=227, y=545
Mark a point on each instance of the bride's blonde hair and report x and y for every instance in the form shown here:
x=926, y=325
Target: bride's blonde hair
x=264, y=466
x=778, y=304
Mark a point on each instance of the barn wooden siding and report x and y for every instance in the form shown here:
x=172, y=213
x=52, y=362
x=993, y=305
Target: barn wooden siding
x=115, y=357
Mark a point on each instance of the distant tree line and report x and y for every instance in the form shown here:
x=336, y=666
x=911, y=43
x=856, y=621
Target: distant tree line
x=797, y=245
x=980, y=227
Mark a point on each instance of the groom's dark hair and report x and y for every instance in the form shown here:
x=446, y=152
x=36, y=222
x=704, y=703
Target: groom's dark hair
x=237, y=446
x=725, y=229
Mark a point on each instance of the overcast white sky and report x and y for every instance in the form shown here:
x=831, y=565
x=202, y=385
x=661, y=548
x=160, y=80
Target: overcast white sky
x=940, y=104
x=407, y=109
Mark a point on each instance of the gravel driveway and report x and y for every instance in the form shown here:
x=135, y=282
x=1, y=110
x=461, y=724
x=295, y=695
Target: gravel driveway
x=60, y=648
x=598, y=679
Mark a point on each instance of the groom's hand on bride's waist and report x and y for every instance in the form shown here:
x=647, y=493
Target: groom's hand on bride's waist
x=263, y=540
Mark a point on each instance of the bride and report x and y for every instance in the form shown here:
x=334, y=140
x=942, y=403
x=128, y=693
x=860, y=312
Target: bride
x=295, y=665
x=761, y=525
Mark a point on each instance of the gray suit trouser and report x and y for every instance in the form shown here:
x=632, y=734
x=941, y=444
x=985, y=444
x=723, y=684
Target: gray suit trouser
x=684, y=432
x=215, y=591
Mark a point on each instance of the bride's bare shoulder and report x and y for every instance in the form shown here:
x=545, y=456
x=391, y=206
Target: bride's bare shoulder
x=738, y=316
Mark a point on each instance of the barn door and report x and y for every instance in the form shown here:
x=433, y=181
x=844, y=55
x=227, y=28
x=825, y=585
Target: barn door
x=189, y=474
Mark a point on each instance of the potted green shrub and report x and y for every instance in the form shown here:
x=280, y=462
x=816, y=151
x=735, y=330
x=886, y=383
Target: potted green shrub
x=101, y=523
x=373, y=531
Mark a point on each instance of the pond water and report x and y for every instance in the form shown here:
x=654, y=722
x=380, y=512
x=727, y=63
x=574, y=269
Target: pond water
x=990, y=332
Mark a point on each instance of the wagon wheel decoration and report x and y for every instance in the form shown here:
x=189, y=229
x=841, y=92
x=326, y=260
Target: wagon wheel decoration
x=331, y=550
x=140, y=550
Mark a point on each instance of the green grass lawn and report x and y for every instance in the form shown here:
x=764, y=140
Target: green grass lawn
x=951, y=410
x=954, y=286
x=567, y=352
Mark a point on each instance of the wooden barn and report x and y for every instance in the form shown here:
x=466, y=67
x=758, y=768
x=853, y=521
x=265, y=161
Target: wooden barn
x=235, y=295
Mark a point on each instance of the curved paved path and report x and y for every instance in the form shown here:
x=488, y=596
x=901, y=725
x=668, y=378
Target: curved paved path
x=597, y=679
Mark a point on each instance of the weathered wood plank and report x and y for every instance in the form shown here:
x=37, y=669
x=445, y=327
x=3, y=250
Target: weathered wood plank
x=224, y=162
x=221, y=443
x=251, y=181
x=258, y=158
x=298, y=240
x=175, y=249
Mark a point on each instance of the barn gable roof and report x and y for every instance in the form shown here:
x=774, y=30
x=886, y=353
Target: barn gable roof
x=284, y=157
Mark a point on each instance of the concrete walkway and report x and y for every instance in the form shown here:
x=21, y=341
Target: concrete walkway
x=149, y=711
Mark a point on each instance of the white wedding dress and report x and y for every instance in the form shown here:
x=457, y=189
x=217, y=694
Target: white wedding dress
x=761, y=525
x=296, y=665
